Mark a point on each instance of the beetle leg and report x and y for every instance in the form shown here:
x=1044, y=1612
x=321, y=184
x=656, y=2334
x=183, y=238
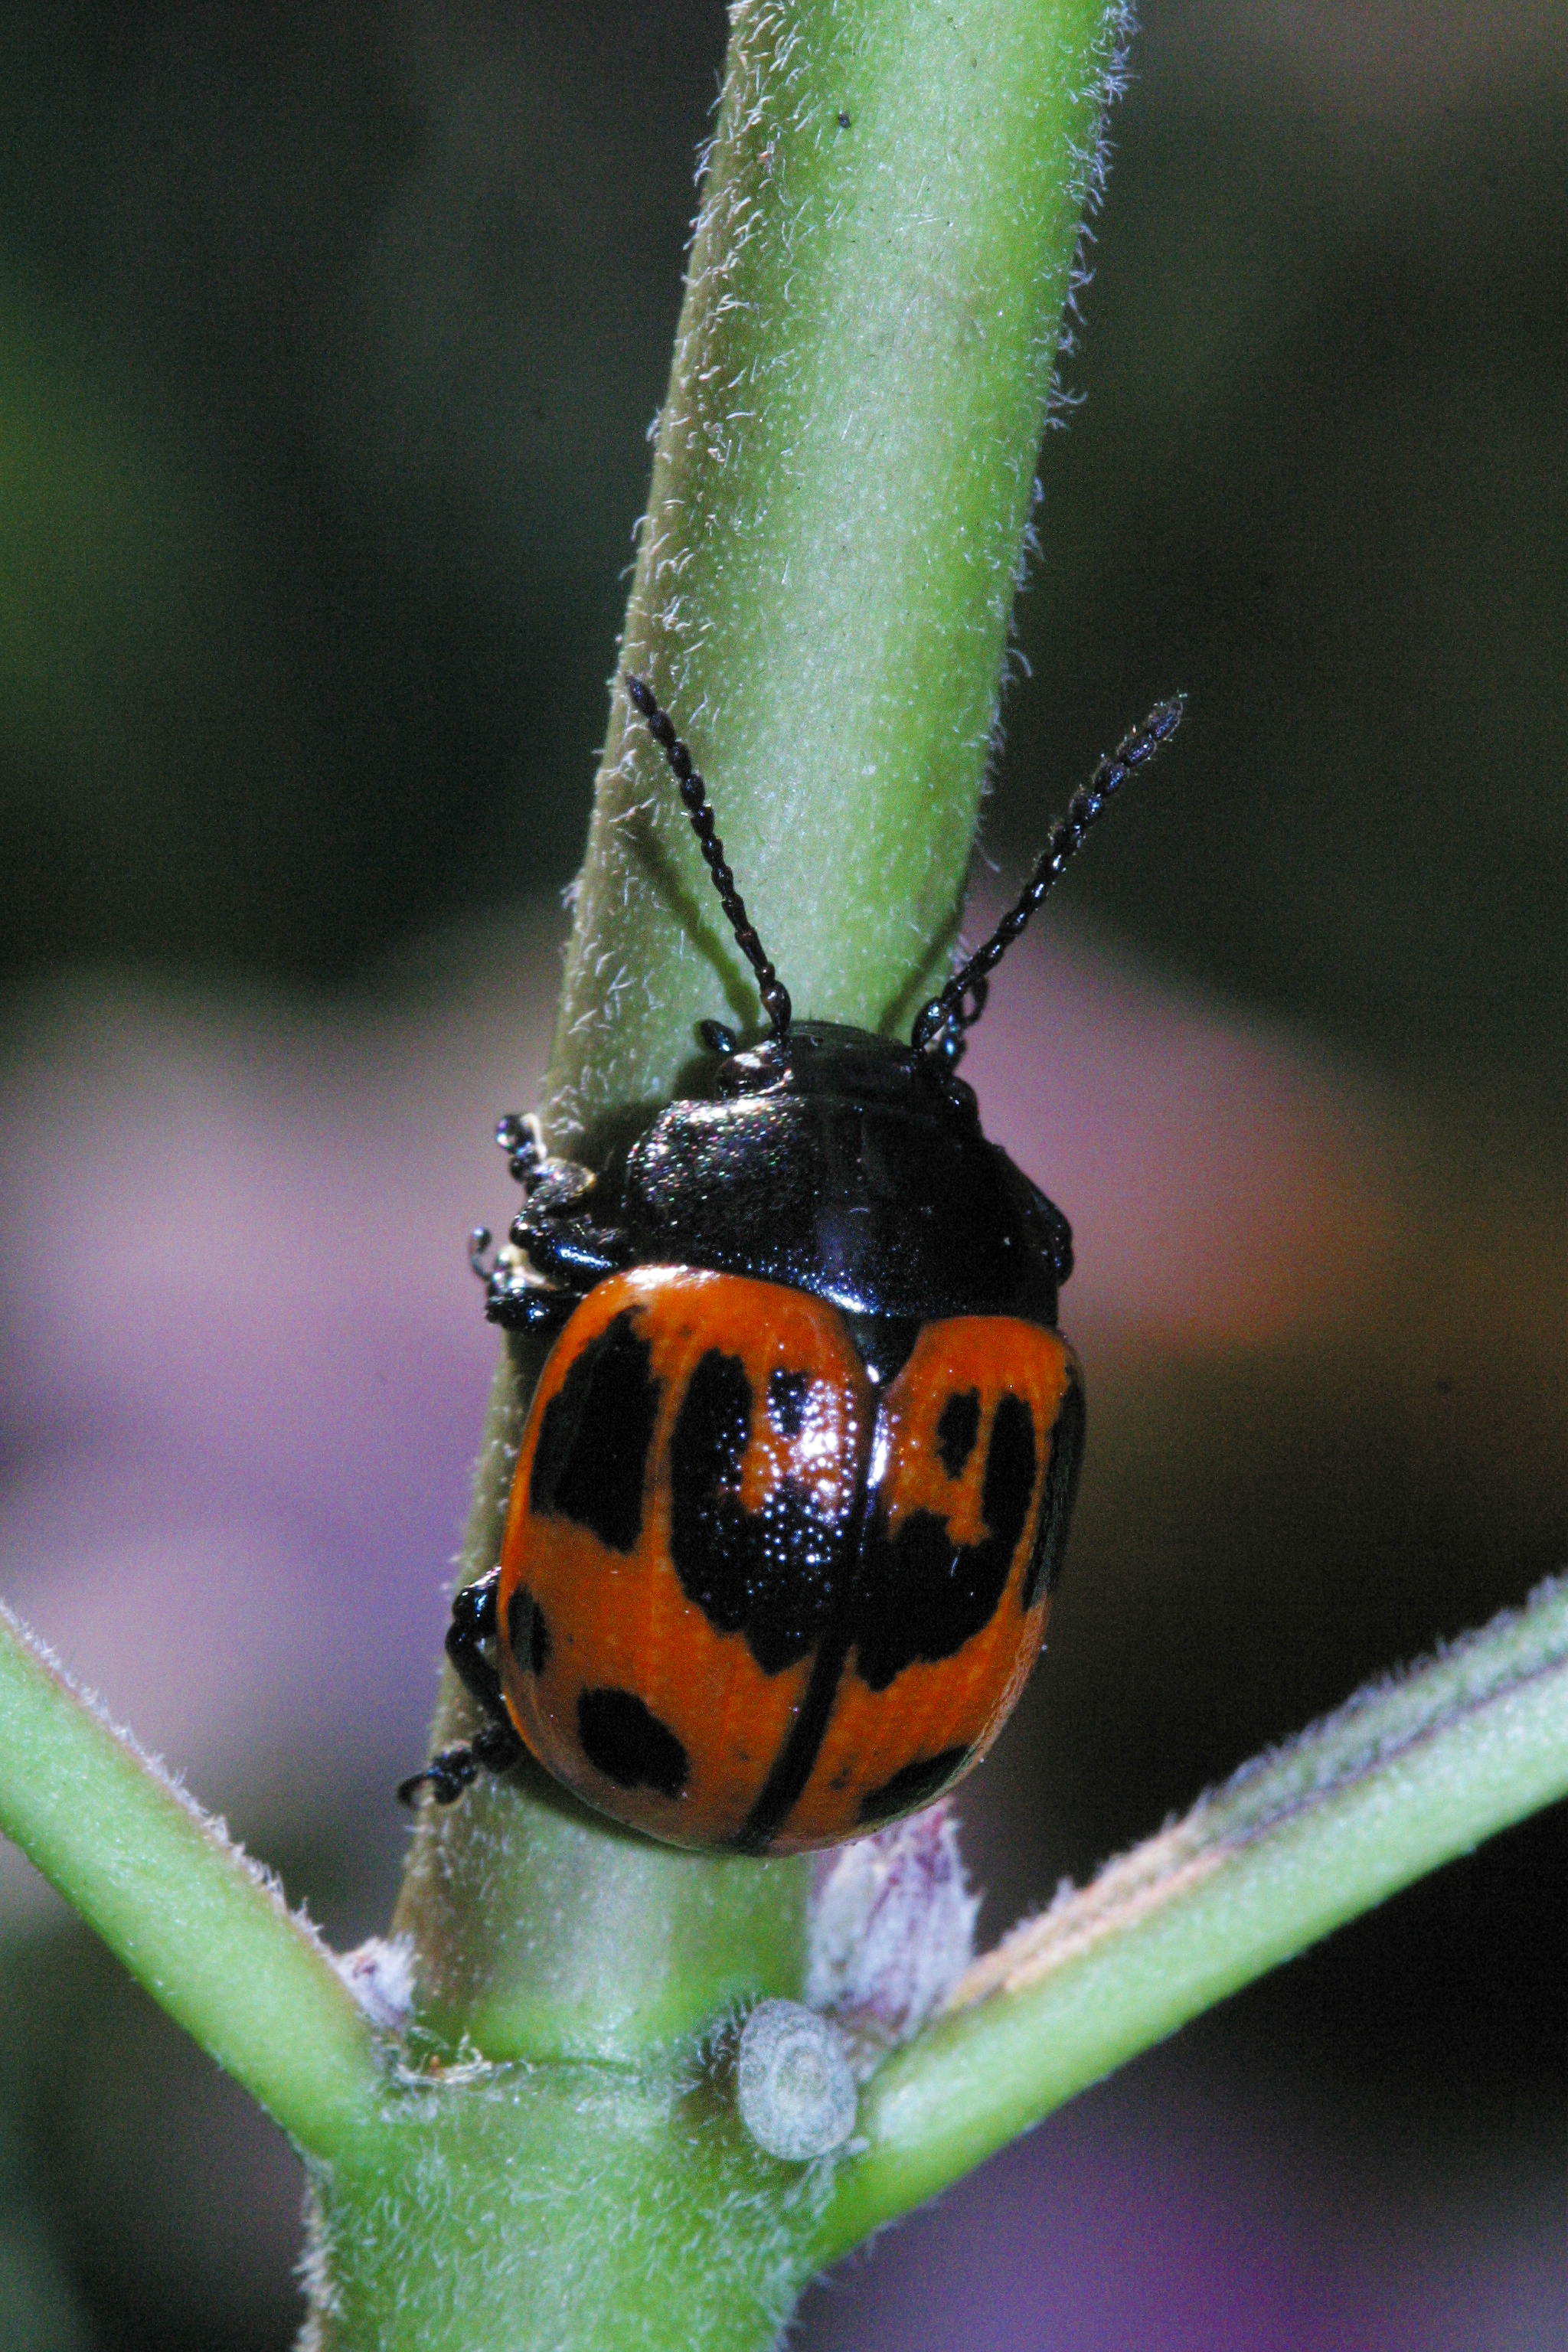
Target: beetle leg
x=496, y=1746
x=549, y=1184
x=473, y=1625
x=576, y=1254
x=519, y=1304
x=532, y=1163
x=553, y=1230
x=520, y=1136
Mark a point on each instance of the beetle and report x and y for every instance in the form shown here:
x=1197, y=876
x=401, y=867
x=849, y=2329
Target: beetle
x=795, y=1485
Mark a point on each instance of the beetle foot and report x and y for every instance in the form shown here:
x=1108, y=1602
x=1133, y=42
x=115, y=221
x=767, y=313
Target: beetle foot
x=494, y=1749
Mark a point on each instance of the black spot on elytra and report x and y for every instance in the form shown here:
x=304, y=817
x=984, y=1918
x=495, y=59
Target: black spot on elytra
x=915, y=1785
x=591, y=1453
x=1061, y=1486
x=787, y=1401
x=957, y=1430
x=924, y=1595
x=625, y=1741
x=526, y=1631
x=769, y=1574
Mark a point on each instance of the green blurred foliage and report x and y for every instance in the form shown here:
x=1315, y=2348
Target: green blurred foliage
x=326, y=342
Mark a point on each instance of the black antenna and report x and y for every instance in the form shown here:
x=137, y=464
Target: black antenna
x=948, y=1014
x=694, y=793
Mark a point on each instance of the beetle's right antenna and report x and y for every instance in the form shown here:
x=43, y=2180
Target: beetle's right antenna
x=962, y=1000
x=694, y=793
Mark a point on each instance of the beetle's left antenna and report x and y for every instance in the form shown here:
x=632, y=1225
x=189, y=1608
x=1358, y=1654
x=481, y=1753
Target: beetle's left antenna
x=694, y=793
x=962, y=1000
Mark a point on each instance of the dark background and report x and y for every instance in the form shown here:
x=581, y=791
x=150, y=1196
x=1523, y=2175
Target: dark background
x=328, y=342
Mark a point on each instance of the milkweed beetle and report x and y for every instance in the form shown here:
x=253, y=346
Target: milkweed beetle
x=794, y=1485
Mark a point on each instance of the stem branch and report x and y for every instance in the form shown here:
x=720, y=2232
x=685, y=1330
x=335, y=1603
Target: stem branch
x=1404, y=1777
x=194, y=1919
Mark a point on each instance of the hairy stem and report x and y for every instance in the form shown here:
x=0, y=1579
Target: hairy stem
x=1407, y=1775
x=841, y=486
x=843, y=478
x=205, y=1931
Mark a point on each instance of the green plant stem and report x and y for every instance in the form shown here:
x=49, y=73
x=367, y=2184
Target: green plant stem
x=843, y=476
x=1403, y=1778
x=841, y=485
x=206, y=1932
x=562, y=2205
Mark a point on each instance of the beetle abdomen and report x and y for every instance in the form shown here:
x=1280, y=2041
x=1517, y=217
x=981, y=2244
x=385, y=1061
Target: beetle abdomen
x=746, y=1600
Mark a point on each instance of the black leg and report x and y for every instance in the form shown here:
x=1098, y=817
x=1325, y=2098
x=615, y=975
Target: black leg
x=473, y=1624
x=496, y=1746
x=519, y=1136
x=554, y=1230
x=572, y=1259
x=579, y=1257
x=446, y=1774
x=517, y=1304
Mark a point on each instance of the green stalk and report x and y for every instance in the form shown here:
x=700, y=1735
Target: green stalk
x=843, y=478
x=566, y=2202
x=205, y=1931
x=1403, y=1778
x=841, y=486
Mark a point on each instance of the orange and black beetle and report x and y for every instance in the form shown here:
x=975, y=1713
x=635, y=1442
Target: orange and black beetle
x=794, y=1485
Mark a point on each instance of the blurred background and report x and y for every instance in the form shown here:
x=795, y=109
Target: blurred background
x=328, y=342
